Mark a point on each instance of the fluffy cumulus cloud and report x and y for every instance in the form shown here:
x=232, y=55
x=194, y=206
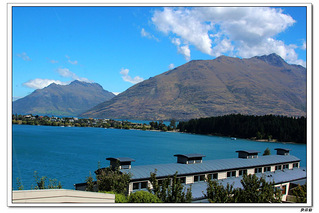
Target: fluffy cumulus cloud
x=65, y=72
x=236, y=31
x=39, y=83
x=182, y=48
x=126, y=77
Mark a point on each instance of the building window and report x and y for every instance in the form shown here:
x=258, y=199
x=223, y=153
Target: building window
x=278, y=167
x=125, y=166
x=144, y=185
x=259, y=170
x=199, y=178
x=267, y=169
x=135, y=186
x=283, y=188
x=182, y=179
x=295, y=165
x=286, y=166
x=242, y=172
x=140, y=185
x=212, y=176
x=231, y=174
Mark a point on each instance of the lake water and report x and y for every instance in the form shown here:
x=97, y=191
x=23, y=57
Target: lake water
x=69, y=154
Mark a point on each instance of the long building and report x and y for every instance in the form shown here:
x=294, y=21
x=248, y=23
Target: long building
x=282, y=168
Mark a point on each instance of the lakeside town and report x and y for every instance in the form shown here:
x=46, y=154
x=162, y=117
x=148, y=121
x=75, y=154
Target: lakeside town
x=89, y=122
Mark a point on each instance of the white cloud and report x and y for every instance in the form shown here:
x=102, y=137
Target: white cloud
x=148, y=35
x=65, y=72
x=236, y=31
x=304, y=45
x=127, y=78
x=39, y=83
x=116, y=93
x=71, y=62
x=186, y=26
x=171, y=66
x=184, y=50
x=24, y=56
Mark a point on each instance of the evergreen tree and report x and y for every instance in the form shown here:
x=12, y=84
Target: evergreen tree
x=257, y=190
x=170, y=190
x=300, y=193
x=266, y=152
x=217, y=193
x=111, y=179
x=90, y=183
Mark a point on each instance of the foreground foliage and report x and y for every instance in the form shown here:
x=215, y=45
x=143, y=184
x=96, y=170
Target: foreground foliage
x=170, y=190
x=111, y=179
x=143, y=197
x=254, y=190
x=300, y=193
x=41, y=183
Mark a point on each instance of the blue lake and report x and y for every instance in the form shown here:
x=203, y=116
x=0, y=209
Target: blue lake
x=69, y=154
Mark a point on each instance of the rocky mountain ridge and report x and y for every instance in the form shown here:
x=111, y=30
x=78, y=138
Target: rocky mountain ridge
x=203, y=88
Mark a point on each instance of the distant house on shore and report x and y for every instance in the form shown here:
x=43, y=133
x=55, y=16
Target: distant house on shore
x=282, y=168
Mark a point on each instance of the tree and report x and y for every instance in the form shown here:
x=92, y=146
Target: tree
x=19, y=184
x=143, y=197
x=89, y=183
x=111, y=179
x=217, y=193
x=254, y=190
x=172, y=123
x=170, y=190
x=41, y=182
x=300, y=193
x=257, y=190
x=266, y=152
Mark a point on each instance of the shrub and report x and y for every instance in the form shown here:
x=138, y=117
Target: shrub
x=143, y=197
x=119, y=198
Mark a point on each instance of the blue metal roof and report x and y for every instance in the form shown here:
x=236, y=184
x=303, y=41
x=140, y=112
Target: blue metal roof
x=193, y=155
x=249, y=151
x=164, y=170
x=122, y=159
x=283, y=149
x=288, y=175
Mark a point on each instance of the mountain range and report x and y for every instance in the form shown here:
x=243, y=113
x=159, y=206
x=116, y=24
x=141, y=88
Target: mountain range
x=202, y=88
x=62, y=100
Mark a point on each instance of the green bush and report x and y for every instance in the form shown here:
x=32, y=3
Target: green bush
x=119, y=198
x=143, y=197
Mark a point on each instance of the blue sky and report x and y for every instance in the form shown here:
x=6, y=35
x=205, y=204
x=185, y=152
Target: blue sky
x=118, y=47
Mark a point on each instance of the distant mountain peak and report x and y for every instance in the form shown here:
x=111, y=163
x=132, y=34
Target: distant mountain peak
x=67, y=100
x=272, y=59
x=202, y=88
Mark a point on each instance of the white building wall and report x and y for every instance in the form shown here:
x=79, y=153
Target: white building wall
x=189, y=179
x=222, y=175
x=130, y=188
x=272, y=168
x=250, y=171
x=285, y=193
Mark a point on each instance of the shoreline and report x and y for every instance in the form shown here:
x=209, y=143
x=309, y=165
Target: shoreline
x=175, y=131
